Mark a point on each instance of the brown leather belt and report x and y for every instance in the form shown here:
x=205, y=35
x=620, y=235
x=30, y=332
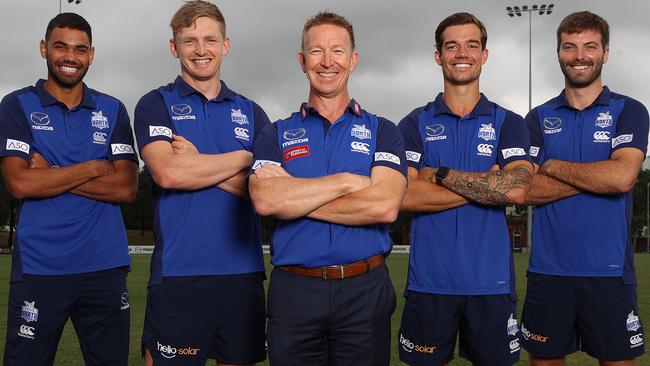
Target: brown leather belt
x=337, y=272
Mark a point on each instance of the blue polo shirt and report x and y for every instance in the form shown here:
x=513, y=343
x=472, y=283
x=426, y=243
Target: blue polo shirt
x=206, y=231
x=586, y=234
x=66, y=234
x=307, y=145
x=463, y=250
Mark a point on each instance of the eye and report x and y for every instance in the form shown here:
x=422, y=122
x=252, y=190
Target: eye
x=451, y=47
x=81, y=51
x=59, y=47
x=315, y=52
x=338, y=52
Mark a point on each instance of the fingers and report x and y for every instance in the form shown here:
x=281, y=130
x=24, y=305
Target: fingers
x=270, y=171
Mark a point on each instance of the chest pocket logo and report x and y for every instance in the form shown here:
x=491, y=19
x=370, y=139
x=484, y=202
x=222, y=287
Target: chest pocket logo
x=41, y=121
x=435, y=132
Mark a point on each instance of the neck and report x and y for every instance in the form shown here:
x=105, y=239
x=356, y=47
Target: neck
x=329, y=107
x=71, y=97
x=210, y=88
x=581, y=98
x=461, y=99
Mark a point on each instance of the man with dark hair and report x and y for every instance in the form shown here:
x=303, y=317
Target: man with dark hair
x=333, y=175
x=467, y=159
x=66, y=151
x=588, y=145
x=205, y=297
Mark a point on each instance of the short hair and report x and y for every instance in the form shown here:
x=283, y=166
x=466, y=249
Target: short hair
x=327, y=17
x=460, y=19
x=582, y=21
x=69, y=20
x=187, y=15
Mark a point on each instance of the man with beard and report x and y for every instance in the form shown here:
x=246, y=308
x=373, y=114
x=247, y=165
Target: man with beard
x=334, y=176
x=467, y=159
x=67, y=153
x=196, y=137
x=588, y=144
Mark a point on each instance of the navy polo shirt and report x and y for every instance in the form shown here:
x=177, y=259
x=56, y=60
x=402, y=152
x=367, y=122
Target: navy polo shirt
x=206, y=231
x=463, y=250
x=586, y=234
x=67, y=233
x=306, y=145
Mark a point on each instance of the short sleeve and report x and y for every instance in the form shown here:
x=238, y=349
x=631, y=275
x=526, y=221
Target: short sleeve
x=409, y=130
x=122, y=144
x=389, y=151
x=514, y=140
x=261, y=120
x=266, y=150
x=632, y=127
x=15, y=136
x=152, y=122
x=536, y=140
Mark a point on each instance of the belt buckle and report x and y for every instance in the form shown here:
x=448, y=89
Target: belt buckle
x=333, y=266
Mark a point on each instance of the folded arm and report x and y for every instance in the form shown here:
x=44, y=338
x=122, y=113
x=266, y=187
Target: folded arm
x=376, y=204
x=276, y=193
x=120, y=186
x=422, y=195
x=174, y=167
x=545, y=189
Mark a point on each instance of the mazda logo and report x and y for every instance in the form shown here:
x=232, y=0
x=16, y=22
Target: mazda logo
x=294, y=134
x=551, y=123
x=40, y=118
x=181, y=109
x=435, y=130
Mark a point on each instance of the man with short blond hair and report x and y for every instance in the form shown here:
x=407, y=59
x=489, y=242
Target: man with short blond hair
x=205, y=297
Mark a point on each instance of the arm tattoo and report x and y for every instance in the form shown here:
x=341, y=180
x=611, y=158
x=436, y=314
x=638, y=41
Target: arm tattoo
x=490, y=188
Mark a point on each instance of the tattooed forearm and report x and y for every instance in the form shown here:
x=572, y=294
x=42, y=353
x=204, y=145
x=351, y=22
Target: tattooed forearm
x=492, y=188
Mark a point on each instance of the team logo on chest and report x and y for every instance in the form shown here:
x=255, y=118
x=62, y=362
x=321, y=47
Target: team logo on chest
x=604, y=120
x=487, y=132
x=238, y=117
x=29, y=311
x=98, y=120
x=435, y=132
x=360, y=132
x=181, y=112
x=552, y=125
x=41, y=121
x=293, y=137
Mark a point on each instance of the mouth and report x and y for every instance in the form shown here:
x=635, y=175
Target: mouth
x=580, y=67
x=202, y=61
x=462, y=66
x=327, y=74
x=70, y=70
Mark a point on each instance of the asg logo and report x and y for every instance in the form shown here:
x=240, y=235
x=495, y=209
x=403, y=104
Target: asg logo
x=121, y=149
x=168, y=351
x=435, y=132
x=484, y=149
x=360, y=147
x=515, y=151
x=160, y=131
x=601, y=136
x=241, y=133
x=181, y=109
x=260, y=163
x=533, y=151
x=27, y=332
x=552, y=125
x=99, y=138
x=413, y=156
x=636, y=340
x=17, y=146
x=294, y=134
x=622, y=139
x=384, y=156
x=41, y=121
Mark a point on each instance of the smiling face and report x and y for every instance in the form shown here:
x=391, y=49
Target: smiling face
x=581, y=56
x=68, y=54
x=200, y=49
x=327, y=59
x=461, y=55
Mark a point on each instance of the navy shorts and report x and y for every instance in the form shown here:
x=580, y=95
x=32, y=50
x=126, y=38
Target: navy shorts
x=190, y=319
x=97, y=303
x=598, y=315
x=486, y=325
x=319, y=322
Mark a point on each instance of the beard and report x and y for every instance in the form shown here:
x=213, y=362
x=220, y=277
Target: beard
x=585, y=81
x=65, y=81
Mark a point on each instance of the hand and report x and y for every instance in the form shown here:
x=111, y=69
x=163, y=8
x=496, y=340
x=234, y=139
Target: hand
x=358, y=182
x=427, y=174
x=547, y=168
x=37, y=161
x=494, y=168
x=271, y=171
x=101, y=167
x=181, y=145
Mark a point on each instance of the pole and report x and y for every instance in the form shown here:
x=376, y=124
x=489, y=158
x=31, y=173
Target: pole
x=529, y=219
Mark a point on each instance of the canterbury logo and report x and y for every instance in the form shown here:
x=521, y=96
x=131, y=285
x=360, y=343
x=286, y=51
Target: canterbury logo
x=601, y=136
x=360, y=147
x=484, y=149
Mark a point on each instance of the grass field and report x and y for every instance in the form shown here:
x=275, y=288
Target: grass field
x=69, y=354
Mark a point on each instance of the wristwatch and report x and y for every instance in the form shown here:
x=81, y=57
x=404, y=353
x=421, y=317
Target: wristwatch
x=441, y=174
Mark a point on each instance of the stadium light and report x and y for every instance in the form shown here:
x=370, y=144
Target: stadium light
x=69, y=2
x=518, y=11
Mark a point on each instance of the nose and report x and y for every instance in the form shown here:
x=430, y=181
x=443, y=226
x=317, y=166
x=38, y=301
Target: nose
x=200, y=48
x=327, y=59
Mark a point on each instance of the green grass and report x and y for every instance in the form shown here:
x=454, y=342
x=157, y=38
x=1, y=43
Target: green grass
x=69, y=354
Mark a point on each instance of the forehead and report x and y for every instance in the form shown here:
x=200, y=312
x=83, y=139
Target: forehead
x=69, y=36
x=202, y=26
x=327, y=34
x=582, y=37
x=461, y=33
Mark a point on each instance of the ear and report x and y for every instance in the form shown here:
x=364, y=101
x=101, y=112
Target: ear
x=438, y=57
x=92, y=55
x=484, y=56
x=226, y=46
x=354, y=61
x=606, y=55
x=42, y=46
x=172, y=48
x=301, y=61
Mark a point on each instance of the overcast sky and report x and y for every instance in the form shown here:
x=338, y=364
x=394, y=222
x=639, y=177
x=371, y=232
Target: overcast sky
x=396, y=70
